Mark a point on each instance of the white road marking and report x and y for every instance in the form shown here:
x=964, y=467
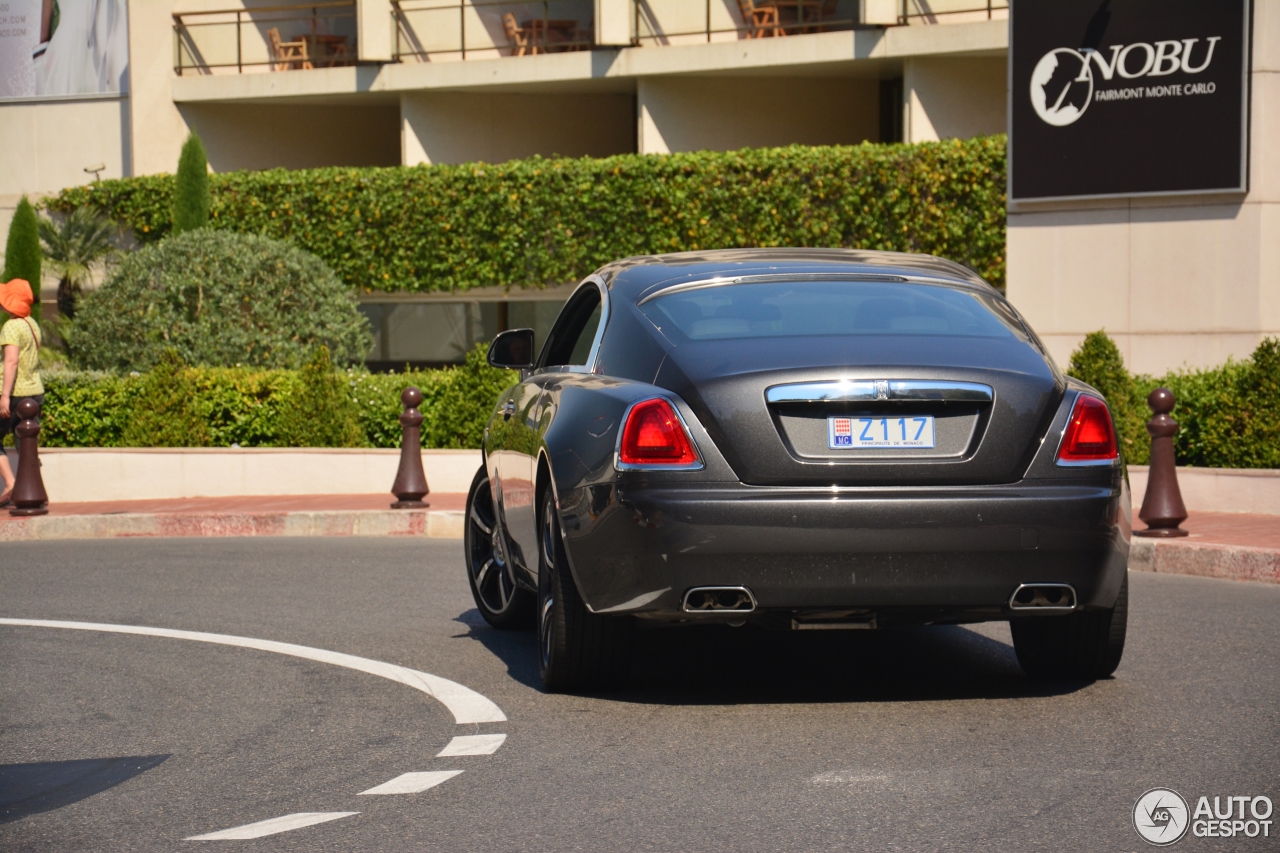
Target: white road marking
x=472, y=745
x=466, y=705
x=271, y=827
x=412, y=783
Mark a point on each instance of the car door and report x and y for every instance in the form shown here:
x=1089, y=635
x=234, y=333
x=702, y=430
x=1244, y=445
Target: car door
x=568, y=349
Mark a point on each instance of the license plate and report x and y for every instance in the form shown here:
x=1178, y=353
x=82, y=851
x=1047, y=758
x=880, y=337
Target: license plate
x=852, y=433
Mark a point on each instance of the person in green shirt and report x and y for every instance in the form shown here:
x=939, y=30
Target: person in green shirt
x=20, y=341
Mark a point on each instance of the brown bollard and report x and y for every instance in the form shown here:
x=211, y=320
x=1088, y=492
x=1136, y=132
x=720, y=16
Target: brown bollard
x=29, y=497
x=1162, y=507
x=411, y=481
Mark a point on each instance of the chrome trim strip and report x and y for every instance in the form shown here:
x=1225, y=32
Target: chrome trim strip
x=782, y=277
x=622, y=425
x=594, y=352
x=864, y=390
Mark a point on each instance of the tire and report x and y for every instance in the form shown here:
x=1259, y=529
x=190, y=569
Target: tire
x=577, y=649
x=1084, y=645
x=501, y=601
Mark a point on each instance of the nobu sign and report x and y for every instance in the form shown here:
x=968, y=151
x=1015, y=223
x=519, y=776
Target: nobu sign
x=1127, y=97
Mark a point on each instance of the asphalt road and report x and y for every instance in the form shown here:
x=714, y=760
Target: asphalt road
x=724, y=739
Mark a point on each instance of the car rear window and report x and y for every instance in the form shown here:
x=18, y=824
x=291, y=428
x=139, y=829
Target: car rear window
x=806, y=308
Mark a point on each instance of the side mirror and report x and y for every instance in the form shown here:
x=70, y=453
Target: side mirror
x=512, y=349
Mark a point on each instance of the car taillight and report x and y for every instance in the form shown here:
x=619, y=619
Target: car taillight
x=654, y=435
x=1090, y=435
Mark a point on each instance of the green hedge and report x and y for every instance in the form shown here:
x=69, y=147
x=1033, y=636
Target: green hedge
x=1229, y=416
x=179, y=406
x=537, y=221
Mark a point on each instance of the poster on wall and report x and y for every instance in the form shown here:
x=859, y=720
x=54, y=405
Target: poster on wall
x=60, y=48
x=1128, y=97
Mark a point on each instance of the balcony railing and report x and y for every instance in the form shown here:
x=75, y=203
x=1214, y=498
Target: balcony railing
x=950, y=11
x=265, y=38
x=324, y=34
x=441, y=30
x=671, y=22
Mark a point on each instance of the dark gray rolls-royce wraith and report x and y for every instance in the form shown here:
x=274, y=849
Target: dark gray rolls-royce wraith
x=809, y=439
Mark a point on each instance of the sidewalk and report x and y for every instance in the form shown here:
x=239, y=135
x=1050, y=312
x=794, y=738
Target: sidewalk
x=1235, y=546
x=284, y=515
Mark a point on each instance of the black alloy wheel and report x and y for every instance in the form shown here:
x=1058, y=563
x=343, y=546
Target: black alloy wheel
x=1085, y=645
x=577, y=649
x=501, y=601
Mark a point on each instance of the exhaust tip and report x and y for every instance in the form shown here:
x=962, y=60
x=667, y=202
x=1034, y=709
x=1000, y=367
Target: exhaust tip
x=719, y=599
x=1043, y=596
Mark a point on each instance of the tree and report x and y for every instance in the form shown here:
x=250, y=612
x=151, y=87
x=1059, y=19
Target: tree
x=218, y=299
x=191, y=195
x=22, y=251
x=72, y=248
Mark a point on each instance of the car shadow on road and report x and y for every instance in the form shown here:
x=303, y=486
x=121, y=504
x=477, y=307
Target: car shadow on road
x=42, y=786
x=713, y=664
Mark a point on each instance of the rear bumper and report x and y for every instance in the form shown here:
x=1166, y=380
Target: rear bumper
x=942, y=554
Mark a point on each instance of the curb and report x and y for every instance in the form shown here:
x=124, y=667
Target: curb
x=1228, y=562
x=432, y=524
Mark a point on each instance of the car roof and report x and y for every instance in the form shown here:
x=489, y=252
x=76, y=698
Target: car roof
x=646, y=275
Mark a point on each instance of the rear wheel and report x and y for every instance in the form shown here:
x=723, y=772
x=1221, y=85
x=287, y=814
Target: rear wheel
x=1081, y=645
x=577, y=649
x=492, y=575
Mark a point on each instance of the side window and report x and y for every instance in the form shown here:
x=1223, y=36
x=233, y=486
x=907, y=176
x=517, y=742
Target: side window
x=570, y=341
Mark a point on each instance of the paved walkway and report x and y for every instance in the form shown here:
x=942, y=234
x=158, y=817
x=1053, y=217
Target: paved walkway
x=282, y=515
x=1223, y=545
x=1229, y=528
x=274, y=503
x=1237, y=546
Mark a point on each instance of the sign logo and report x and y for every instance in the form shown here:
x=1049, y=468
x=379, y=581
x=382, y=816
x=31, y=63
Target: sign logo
x=1062, y=84
x=1160, y=816
x=1057, y=73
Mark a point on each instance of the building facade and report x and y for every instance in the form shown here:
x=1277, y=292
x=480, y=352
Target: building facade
x=271, y=83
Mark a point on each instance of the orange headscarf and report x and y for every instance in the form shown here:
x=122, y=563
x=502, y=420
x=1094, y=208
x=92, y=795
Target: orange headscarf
x=16, y=297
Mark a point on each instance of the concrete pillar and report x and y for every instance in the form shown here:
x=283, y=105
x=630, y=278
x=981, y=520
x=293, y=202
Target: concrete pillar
x=727, y=113
x=954, y=98
x=158, y=127
x=1180, y=281
x=493, y=128
x=375, y=30
x=613, y=22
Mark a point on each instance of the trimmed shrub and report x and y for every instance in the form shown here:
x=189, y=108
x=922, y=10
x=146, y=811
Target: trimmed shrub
x=221, y=406
x=1228, y=416
x=319, y=410
x=538, y=221
x=22, y=255
x=164, y=412
x=218, y=299
x=191, y=188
